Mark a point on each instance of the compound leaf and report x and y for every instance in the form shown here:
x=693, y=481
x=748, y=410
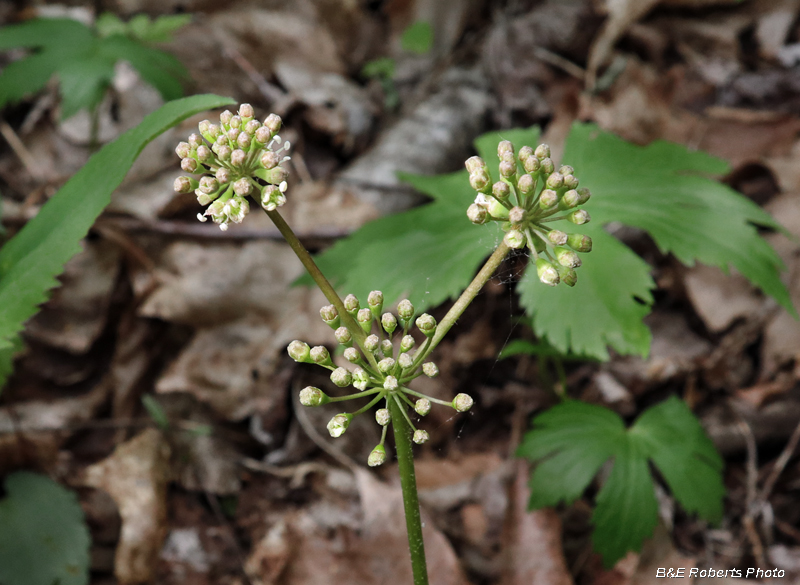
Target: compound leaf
x=44, y=539
x=571, y=441
x=31, y=260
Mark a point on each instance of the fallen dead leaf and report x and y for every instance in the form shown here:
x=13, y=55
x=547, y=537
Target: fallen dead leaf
x=719, y=298
x=136, y=476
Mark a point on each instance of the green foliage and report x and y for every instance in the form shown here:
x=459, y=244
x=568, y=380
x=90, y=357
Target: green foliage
x=156, y=412
x=84, y=61
x=32, y=259
x=382, y=67
x=417, y=38
x=44, y=539
x=141, y=27
x=571, y=441
x=662, y=188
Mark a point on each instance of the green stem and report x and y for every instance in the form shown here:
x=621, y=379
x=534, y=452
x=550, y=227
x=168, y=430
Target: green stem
x=322, y=282
x=408, y=481
x=467, y=297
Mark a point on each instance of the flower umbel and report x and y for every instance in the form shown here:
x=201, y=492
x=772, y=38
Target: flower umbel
x=237, y=158
x=383, y=372
x=530, y=195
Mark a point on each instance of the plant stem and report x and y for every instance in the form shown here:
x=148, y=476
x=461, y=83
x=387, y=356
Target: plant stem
x=466, y=298
x=408, y=481
x=322, y=282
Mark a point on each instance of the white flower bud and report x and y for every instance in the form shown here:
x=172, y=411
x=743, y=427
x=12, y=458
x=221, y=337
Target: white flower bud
x=386, y=365
x=390, y=383
x=462, y=402
x=299, y=351
x=311, y=396
x=338, y=424
x=341, y=377
x=405, y=361
x=377, y=457
x=430, y=369
x=421, y=437
x=383, y=416
x=422, y=406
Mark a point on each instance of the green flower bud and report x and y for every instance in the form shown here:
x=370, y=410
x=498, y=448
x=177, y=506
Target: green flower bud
x=547, y=272
x=407, y=343
x=508, y=170
x=320, y=355
x=223, y=175
x=204, y=154
x=389, y=323
x=341, y=377
x=352, y=355
x=525, y=184
x=299, y=351
x=311, y=396
x=360, y=378
x=557, y=237
x=474, y=164
x=273, y=122
x=377, y=457
x=351, y=305
x=225, y=117
x=184, y=185
x=427, y=324
x=421, y=437
x=555, y=181
x=480, y=181
x=584, y=195
x=542, y=151
x=386, y=347
x=203, y=127
x=338, y=424
x=189, y=165
x=330, y=316
x=462, y=402
x=570, y=181
x=569, y=200
x=242, y=187
x=567, y=257
x=405, y=361
x=275, y=176
x=342, y=335
x=405, y=310
x=567, y=275
x=243, y=140
x=504, y=147
x=579, y=242
x=364, y=318
x=548, y=200
x=375, y=302
x=386, y=365
x=579, y=217
x=204, y=198
x=525, y=153
x=566, y=170
x=383, y=416
x=390, y=383
x=546, y=166
x=539, y=244
x=422, y=406
x=270, y=159
x=236, y=122
x=430, y=369
x=372, y=343
x=501, y=191
x=515, y=239
x=532, y=165
x=238, y=157
x=477, y=214
x=517, y=215
x=246, y=112
x=252, y=127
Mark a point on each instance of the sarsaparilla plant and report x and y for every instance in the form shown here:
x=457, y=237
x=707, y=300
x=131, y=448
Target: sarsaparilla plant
x=240, y=157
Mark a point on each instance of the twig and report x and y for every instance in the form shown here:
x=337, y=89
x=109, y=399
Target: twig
x=296, y=473
x=780, y=463
x=21, y=151
x=562, y=63
x=318, y=439
x=752, y=486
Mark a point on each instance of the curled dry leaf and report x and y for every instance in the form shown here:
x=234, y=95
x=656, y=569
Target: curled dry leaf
x=136, y=476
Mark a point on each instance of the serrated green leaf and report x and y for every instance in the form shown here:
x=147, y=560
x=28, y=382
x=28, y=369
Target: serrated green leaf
x=626, y=510
x=31, y=260
x=685, y=456
x=572, y=440
x=417, y=38
x=44, y=539
x=665, y=189
x=422, y=254
x=62, y=33
x=84, y=83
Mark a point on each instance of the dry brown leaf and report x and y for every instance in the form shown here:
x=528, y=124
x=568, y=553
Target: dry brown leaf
x=533, y=552
x=719, y=298
x=136, y=476
x=774, y=25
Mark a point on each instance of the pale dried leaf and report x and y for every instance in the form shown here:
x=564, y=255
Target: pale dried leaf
x=135, y=476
